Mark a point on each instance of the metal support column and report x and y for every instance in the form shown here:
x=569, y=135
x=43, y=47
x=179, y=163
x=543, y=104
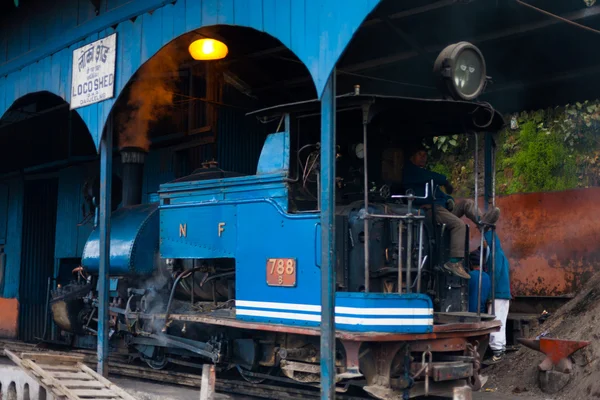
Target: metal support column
x=490, y=200
x=104, y=222
x=488, y=171
x=328, y=240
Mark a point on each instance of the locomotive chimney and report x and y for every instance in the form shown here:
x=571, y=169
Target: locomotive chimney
x=132, y=159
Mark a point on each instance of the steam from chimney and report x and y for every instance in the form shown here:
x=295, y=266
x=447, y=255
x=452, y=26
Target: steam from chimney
x=149, y=98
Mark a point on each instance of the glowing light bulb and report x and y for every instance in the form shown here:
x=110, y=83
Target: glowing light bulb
x=208, y=49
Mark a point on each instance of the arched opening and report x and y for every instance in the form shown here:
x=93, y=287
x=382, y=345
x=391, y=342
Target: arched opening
x=186, y=113
x=39, y=133
x=26, y=392
x=44, y=146
x=41, y=393
x=11, y=394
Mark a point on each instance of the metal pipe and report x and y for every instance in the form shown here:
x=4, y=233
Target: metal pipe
x=476, y=176
x=493, y=256
x=182, y=275
x=400, y=227
x=366, y=189
x=493, y=244
x=419, y=266
x=46, y=309
x=193, y=287
x=328, y=259
x=214, y=292
x=409, y=256
x=104, y=222
x=400, y=217
x=480, y=274
x=493, y=174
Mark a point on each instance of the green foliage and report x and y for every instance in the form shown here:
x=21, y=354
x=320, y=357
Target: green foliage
x=440, y=168
x=552, y=149
x=446, y=143
x=543, y=161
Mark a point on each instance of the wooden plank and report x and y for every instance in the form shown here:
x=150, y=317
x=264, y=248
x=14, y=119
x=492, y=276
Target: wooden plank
x=54, y=385
x=207, y=388
x=57, y=368
x=35, y=374
x=70, y=375
x=106, y=382
x=95, y=393
x=72, y=384
x=82, y=384
x=52, y=358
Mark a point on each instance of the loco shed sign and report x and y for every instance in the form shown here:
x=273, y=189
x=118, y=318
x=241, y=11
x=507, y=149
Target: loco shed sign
x=93, y=73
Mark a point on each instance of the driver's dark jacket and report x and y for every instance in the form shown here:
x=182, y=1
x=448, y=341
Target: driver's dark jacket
x=415, y=178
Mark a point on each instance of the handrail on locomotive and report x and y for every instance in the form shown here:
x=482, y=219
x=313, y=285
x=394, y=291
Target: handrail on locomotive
x=411, y=218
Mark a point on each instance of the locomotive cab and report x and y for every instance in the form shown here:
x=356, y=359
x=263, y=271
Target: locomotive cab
x=374, y=134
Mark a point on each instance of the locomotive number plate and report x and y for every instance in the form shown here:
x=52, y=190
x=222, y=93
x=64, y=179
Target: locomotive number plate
x=281, y=272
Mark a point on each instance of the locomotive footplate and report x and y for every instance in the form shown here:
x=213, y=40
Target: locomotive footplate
x=440, y=331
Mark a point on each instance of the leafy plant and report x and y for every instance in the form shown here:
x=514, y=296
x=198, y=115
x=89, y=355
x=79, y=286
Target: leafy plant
x=543, y=163
x=551, y=149
x=445, y=143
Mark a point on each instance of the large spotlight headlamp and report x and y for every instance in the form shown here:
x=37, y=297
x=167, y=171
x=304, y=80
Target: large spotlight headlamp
x=460, y=71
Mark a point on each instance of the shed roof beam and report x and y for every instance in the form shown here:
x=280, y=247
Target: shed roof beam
x=545, y=80
x=489, y=37
x=409, y=40
x=6, y=121
x=411, y=12
x=394, y=58
x=367, y=23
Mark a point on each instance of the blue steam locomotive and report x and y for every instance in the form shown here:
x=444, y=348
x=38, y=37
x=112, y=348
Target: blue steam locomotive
x=225, y=268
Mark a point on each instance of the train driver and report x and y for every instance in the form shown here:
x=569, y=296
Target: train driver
x=448, y=212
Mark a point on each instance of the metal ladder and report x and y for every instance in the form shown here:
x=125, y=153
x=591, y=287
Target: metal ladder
x=66, y=377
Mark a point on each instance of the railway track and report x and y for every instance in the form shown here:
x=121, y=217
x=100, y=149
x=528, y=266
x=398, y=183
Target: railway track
x=118, y=366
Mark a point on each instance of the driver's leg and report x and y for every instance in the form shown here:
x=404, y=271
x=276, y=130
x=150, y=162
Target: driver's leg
x=467, y=208
x=457, y=230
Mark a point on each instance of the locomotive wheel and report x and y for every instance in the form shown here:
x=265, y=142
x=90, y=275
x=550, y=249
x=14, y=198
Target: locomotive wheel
x=159, y=361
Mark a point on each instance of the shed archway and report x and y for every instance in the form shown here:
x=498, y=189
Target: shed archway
x=43, y=145
x=184, y=113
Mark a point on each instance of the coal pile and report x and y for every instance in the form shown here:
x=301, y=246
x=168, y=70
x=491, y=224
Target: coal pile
x=517, y=374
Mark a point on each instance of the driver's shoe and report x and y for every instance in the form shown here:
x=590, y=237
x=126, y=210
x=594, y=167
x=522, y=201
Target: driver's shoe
x=457, y=269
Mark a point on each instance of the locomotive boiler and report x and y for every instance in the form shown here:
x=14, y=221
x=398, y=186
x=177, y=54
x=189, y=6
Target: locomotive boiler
x=224, y=268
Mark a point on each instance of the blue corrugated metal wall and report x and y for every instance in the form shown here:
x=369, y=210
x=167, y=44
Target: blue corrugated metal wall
x=158, y=169
x=3, y=212
x=317, y=31
x=37, y=259
x=70, y=237
x=239, y=141
x=35, y=28
x=14, y=240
